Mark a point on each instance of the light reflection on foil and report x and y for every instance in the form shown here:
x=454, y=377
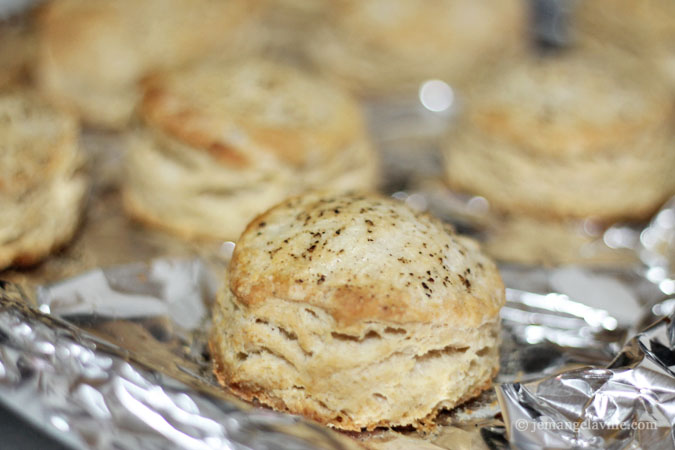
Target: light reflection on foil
x=549, y=332
x=657, y=248
x=173, y=288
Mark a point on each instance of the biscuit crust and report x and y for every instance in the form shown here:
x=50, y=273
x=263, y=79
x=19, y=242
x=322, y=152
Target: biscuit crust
x=629, y=182
x=254, y=106
x=427, y=273
x=182, y=189
x=356, y=312
x=17, y=52
x=207, y=161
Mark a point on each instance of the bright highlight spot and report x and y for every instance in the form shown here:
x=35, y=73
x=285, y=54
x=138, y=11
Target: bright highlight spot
x=436, y=95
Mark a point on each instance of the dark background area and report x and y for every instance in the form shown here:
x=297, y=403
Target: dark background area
x=16, y=434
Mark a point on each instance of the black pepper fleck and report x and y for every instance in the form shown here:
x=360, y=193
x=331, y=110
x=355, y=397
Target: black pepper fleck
x=467, y=283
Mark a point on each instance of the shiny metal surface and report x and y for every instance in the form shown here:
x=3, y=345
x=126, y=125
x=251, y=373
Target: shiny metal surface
x=116, y=358
x=91, y=393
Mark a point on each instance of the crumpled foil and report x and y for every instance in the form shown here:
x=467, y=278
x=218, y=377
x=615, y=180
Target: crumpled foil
x=125, y=384
x=630, y=401
x=116, y=358
x=628, y=404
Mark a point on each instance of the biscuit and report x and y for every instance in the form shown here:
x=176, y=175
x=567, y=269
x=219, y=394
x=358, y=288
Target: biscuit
x=645, y=28
x=577, y=135
x=91, y=55
x=357, y=312
x=284, y=26
x=41, y=185
x=208, y=160
x=382, y=46
x=17, y=52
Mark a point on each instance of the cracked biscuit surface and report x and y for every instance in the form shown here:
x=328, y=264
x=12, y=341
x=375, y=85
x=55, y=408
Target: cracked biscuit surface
x=357, y=312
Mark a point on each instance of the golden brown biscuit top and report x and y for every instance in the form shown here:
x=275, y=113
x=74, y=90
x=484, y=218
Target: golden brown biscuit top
x=365, y=257
x=236, y=108
x=573, y=102
x=37, y=140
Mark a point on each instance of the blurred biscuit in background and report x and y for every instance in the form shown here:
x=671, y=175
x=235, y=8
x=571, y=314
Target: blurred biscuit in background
x=17, y=51
x=527, y=240
x=92, y=54
x=645, y=28
x=285, y=27
x=42, y=186
x=573, y=135
x=222, y=141
x=383, y=46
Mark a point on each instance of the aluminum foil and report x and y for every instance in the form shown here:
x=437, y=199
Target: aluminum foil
x=146, y=391
x=122, y=351
x=630, y=401
x=628, y=404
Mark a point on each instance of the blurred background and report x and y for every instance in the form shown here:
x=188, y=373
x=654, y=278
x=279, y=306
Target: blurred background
x=541, y=126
